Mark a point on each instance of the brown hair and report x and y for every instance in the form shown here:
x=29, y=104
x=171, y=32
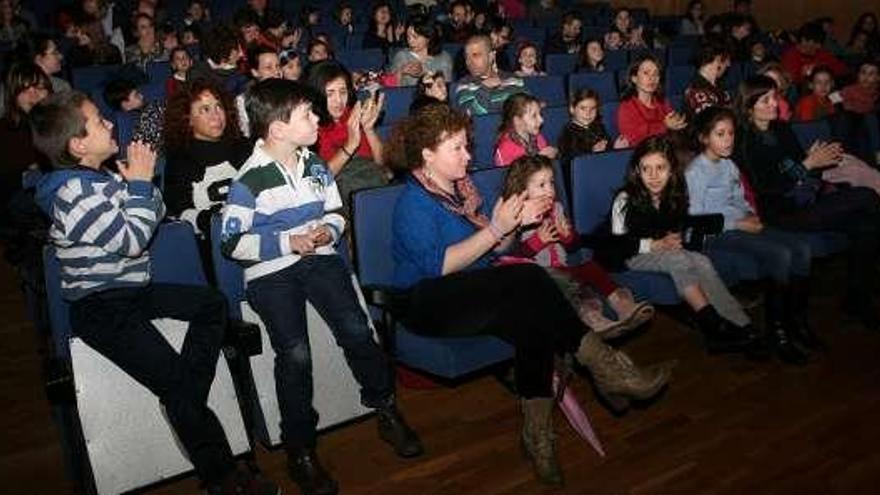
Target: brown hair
x=178, y=129
x=54, y=122
x=521, y=170
x=515, y=106
x=425, y=129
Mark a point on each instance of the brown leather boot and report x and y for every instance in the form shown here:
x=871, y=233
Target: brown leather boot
x=631, y=313
x=617, y=378
x=538, y=440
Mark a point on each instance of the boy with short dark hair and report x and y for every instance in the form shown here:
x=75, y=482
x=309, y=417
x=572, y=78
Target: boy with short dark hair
x=102, y=224
x=281, y=221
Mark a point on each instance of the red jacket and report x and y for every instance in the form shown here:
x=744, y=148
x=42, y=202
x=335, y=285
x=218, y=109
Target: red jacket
x=799, y=65
x=638, y=122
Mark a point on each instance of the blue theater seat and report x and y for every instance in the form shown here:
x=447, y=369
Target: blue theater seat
x=600, y=82
x=550, y=89
x=359, y=60
x=560, y=64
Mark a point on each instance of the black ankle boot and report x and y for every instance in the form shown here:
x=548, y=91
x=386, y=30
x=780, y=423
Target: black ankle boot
x=777, y=331
x=306, y=471
x=797, y=304
x=394, y=430
x=720, y=335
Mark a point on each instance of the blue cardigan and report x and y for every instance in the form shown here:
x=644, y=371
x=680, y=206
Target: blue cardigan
x=422, y=230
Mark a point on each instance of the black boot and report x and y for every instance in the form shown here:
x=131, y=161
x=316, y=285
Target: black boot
x=720, y=335
x=306, y=471
x=394, y=430
x=797, y=304
x=777, y=332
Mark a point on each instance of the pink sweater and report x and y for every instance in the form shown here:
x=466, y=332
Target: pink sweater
x=507, y=150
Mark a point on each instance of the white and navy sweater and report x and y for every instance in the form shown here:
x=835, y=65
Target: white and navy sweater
x=267, y=203
x=101, y=226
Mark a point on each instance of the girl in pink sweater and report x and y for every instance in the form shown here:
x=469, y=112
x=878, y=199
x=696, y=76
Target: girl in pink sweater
x=520, y=131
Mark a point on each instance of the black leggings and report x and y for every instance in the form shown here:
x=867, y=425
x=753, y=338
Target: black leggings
x=518, y=303
x=854, y=212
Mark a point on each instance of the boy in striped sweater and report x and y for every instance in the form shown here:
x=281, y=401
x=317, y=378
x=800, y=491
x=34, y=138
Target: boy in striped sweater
x=102, y=224
x=281, y=221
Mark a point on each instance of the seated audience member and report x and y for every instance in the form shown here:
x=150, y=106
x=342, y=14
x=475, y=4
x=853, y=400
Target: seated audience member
x=614, y=40
x=715, y=187
x=343, y=19
x=249, y=29
x=383, y=30
x=204, y=151
x=198, y=14
x=222, y=54
x=861, y=102
x=261, y=11
x=318, y=51
x=460, y=26
x=705, y=88
x=425, y=53
x=867, y=29
x=643, y=111
x=264, y=64
x=800, y=59
x=285, y=179
x=831, y=43
x=148, y=48
x=528, y=61
x=693, y=21
x=786, y=92
x=347, y=137
x=291, y=65
x=102, y=223
x=520, y=131
x=13, y=29
x=592, y=57
x=862, y=96
x=42, y=50
x=430, y=89
x=500, y=33
x=181, y=62
x=739, y=32
x=444, y=240
x=633, y=36
x=584, y=133
x=817, y=104
x=543, y=12
x=484, y=89
x=24, y=87
x=568, y=38
x=792, y=195
x=89, y=44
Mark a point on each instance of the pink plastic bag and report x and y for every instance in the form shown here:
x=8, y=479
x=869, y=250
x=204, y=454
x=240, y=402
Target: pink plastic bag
x=576, y=415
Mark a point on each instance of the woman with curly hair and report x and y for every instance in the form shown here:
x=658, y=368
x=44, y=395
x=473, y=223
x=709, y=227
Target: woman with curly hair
x=444, y=239
x=204, y=150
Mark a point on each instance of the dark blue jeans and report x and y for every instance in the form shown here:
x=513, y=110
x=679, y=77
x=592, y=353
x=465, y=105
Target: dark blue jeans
x=781, y=255
x=116, y=323
x=280, y=300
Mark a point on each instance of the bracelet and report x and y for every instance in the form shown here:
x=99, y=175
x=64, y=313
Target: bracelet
x=496, y=231
x=347, y=153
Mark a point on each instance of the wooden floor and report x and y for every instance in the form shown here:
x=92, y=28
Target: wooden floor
x=725, y=425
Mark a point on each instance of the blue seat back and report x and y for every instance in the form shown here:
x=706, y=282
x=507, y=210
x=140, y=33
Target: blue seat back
x=601, y=82
x=678, y=79
x=616, y=60
x=595, y=178
x=485, y=136
x=175, y=260
x=681, y=55
x=92, y=77
x=397, y=102
x=158, y=72
x=555, y=119
x=560, y=64
x=609, y=118
x=550, y=89
x=356, y=60
x=811, y=131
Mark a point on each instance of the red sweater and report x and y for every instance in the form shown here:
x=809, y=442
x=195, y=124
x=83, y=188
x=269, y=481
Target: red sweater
x=798, y=65
x=811, y=107
x=637, y=122
x=332, y=137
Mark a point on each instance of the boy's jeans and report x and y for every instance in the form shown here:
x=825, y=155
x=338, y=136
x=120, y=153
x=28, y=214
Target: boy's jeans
x=116, y=323
x=280, y=300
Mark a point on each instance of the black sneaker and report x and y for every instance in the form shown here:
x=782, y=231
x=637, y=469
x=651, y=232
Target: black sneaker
x=243, y=482
x=306, y=471
x=394, y=430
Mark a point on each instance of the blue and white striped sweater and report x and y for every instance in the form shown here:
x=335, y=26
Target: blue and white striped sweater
x=267, y=203
x=101, y=227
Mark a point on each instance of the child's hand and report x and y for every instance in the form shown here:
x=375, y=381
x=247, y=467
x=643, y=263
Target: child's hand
x=140, y=164
x=562, y=225
x=550, y=152
x=674, y=121
x=547, y=233
x=321, y=235
x=751, y=224
x=600, y=146
x=822, y=154
x=669, y=242
x=621, y=142
x=302, y=243
x=534, y=210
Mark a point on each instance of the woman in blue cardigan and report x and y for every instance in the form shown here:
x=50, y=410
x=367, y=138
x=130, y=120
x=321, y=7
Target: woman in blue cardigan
x=444, y=240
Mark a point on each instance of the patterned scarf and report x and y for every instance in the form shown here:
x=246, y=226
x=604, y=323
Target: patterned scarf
x=529, y=144
x=466, y=200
